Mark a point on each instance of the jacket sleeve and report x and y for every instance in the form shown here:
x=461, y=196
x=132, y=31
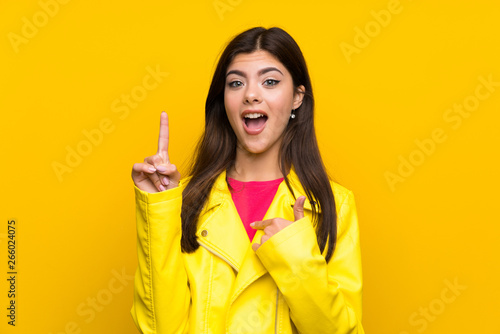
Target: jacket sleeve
x=323, y=298
x=161, y=291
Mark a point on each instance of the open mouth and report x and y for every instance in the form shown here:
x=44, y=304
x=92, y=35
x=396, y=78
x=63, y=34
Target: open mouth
x=254, y=122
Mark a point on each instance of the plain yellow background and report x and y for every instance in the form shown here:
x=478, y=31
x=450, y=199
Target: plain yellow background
x=66, y=71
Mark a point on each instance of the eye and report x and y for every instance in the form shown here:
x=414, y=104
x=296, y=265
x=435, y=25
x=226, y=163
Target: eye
x=235, y=83
x=271, y=82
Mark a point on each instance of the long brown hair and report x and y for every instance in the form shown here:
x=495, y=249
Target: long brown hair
x=216, y=150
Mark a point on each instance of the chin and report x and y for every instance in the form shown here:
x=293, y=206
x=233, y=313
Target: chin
x=255, y=149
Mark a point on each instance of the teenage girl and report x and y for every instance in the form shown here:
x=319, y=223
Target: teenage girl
x=256, y=238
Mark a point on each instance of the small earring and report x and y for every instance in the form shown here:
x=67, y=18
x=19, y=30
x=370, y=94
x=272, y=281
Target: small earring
x=292, y=116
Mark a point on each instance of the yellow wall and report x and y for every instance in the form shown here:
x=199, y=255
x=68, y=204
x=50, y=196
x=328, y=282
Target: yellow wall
x=405, y=116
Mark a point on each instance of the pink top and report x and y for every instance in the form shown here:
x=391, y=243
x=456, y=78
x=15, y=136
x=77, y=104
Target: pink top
x=252, y=200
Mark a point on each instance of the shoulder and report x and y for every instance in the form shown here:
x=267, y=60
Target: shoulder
x=341, y=193
x=345, y=207
x=347, y=219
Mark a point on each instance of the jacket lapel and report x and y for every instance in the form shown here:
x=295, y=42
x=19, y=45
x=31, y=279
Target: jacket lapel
x=252, y=268
x=281, y=206
x=221, y=231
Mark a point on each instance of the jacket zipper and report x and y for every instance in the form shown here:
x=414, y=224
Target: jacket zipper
x=276, y=316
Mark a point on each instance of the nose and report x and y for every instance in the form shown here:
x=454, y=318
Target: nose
x=252, y=94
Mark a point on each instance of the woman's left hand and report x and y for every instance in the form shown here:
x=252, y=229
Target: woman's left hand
x=273, y=226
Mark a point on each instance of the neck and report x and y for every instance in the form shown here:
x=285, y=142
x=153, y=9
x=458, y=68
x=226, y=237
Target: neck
x=255, y=167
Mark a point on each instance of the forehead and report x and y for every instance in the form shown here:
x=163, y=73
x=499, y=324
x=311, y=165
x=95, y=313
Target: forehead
x=256, y=59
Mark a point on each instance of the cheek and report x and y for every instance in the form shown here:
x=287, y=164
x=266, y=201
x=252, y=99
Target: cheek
x=232, y=109
x=280, y=101
x=229, y=104
x=280, y=104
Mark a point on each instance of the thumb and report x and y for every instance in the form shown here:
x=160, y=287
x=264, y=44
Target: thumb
x=298, y=208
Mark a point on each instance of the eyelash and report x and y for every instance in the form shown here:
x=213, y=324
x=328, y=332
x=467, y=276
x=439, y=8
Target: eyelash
x=275, y=82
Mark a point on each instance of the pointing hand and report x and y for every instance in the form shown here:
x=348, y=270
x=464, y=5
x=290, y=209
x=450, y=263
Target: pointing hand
x=273, y=226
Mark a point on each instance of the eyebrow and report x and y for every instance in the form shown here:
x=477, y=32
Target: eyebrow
x=262, y=71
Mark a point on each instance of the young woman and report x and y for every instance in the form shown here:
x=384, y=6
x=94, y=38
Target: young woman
x=256, y=239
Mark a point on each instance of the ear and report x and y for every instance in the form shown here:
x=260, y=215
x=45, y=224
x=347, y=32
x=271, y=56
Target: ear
x=298, y=96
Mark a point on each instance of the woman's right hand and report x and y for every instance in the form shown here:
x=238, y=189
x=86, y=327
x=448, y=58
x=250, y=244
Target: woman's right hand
x=156, y=173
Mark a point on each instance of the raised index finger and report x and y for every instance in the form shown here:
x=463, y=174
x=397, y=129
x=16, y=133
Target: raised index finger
x=163, y=138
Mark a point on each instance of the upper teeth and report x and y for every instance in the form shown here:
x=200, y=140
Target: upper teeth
x=254, y=115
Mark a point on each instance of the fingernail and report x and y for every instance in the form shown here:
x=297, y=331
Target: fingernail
x=252, y=224
x=152, y=169
x=161, y=168
x=162, y=188
x=165, y=181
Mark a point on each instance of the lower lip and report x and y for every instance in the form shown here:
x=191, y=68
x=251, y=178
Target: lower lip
x=253, y=131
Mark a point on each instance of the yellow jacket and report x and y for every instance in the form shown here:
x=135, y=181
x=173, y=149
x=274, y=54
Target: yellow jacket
x=286, y=286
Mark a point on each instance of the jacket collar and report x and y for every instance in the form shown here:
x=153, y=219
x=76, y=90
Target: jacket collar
x=220, y=191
